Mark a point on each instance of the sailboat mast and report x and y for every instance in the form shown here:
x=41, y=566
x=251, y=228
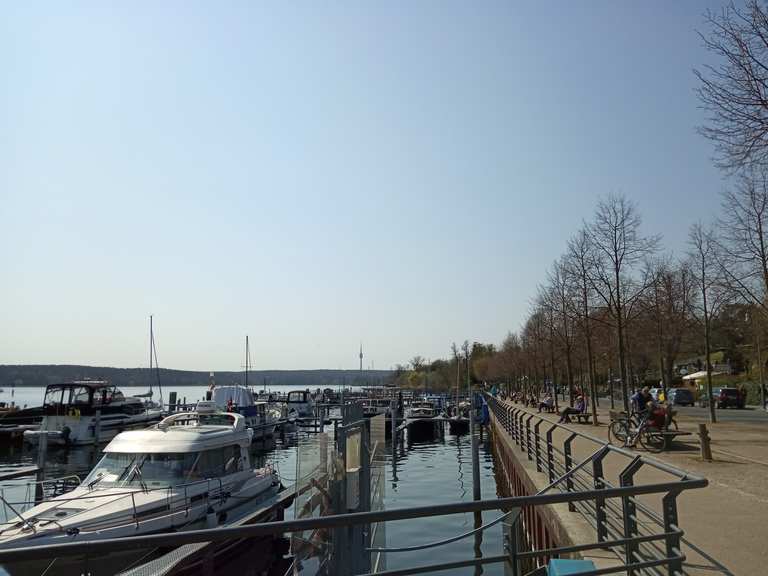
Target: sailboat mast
x=153, y=351
x=246, y=360
x=150, y=355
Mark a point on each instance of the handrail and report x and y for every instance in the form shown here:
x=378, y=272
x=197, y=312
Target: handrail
x=631, y=519
x=334, y=521
x=663, y=466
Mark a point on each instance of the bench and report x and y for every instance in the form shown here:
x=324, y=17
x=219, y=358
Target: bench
x=670, y=435
x=583, y=418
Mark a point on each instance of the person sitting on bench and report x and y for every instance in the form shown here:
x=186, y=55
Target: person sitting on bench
x=548, y=404
x=579, y=408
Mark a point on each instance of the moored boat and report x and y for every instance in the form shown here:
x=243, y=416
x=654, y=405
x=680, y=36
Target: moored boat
x=189, y=471
x=88, y=412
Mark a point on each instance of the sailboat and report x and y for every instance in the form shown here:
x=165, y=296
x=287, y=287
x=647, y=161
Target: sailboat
x=241, y=399
x=458, y=421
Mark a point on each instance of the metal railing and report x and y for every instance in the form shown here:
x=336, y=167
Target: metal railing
x=646, y=540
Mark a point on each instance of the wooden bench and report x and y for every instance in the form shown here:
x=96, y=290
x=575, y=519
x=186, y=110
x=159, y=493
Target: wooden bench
x=583, y=418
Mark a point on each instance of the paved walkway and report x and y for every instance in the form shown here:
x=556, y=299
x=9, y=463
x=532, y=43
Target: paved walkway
x=729, y=518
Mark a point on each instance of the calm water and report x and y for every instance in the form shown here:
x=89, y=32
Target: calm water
x=432, y=470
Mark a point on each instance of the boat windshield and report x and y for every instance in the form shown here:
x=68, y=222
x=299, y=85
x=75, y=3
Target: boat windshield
x=153, y=470
x=160, y=470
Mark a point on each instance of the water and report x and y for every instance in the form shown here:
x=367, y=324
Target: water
x=433, y=470
x=439, y=471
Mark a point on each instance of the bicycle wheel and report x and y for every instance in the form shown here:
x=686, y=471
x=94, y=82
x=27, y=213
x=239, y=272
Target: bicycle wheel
x=618, y=432
x=652, y=440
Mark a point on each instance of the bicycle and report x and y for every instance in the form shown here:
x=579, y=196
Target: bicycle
x=628, y=431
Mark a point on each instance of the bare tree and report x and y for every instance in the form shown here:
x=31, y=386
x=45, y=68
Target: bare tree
x=668, y=304
x=743, y=245
x=617, y=246
x=578, y=262
x=735, y=91
x=712, y=295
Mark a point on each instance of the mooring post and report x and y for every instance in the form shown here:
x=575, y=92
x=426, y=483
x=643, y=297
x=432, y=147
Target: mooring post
x=42, y=449
x=97, y=427
x=475, y=449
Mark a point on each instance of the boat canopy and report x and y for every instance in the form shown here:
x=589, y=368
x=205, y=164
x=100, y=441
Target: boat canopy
x=239, y=395
x=184, y=432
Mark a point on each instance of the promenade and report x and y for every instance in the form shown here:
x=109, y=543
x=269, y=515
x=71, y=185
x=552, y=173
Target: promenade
x=727, y=519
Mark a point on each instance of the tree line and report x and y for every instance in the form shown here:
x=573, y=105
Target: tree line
x=617, y=310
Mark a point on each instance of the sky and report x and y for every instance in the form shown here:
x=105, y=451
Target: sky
x=320, y=174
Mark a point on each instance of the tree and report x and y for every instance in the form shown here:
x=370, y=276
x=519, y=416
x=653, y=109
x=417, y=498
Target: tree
x=735, y=91
x=578, y=263
x=743, y=244
x=712, y=296
x=617, y=245
x=669, y=306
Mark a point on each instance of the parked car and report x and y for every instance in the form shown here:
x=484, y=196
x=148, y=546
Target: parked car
x=681, y=396
x=730, y=398
x=724, y=398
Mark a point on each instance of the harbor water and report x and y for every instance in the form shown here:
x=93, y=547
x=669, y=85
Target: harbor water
x=436, y=469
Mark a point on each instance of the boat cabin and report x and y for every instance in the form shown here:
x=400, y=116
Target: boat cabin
x=84, y=397
x=183, y=448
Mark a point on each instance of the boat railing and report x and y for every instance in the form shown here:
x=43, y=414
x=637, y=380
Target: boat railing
x=215, y=489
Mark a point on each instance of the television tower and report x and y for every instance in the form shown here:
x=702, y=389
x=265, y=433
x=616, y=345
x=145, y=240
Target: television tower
x=361, y=362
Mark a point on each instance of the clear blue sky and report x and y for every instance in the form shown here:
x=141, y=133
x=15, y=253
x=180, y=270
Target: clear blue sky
x=315, y=174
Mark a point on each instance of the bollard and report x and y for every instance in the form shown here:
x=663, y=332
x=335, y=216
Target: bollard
x=706, y=450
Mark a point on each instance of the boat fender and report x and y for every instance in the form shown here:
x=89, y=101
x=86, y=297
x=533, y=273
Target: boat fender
x=210, y=519
x=73, y=531
x=65, y=432
x=222, y=517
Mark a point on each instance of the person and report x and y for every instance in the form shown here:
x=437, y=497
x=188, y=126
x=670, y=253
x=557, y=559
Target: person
x=547, y=404
x=578, y=408
x=642, y=401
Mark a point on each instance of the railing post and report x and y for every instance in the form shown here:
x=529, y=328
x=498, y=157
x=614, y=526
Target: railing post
x=568, y=465
x=597, y=476
x=516, y=427
x=551, y=453
x=537, y=438
x=520, y=430
x=528, y=437
x=669, y=505
x=508, y=423
x=629, y=510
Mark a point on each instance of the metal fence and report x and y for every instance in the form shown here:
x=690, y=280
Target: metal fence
x=645, y=540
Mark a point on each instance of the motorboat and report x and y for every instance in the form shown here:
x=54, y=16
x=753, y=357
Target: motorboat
x=300, y=404
x=88, y=412
x=189, y=471
x=458, y=417
x=422, y=416
x=258, y=415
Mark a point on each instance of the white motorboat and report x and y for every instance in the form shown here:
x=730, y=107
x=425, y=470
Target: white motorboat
x=258, y=415
x=189, y=471
x=87, y=412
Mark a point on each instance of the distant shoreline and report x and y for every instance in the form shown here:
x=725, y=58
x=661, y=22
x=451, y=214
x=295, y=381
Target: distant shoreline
x=37, y=375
